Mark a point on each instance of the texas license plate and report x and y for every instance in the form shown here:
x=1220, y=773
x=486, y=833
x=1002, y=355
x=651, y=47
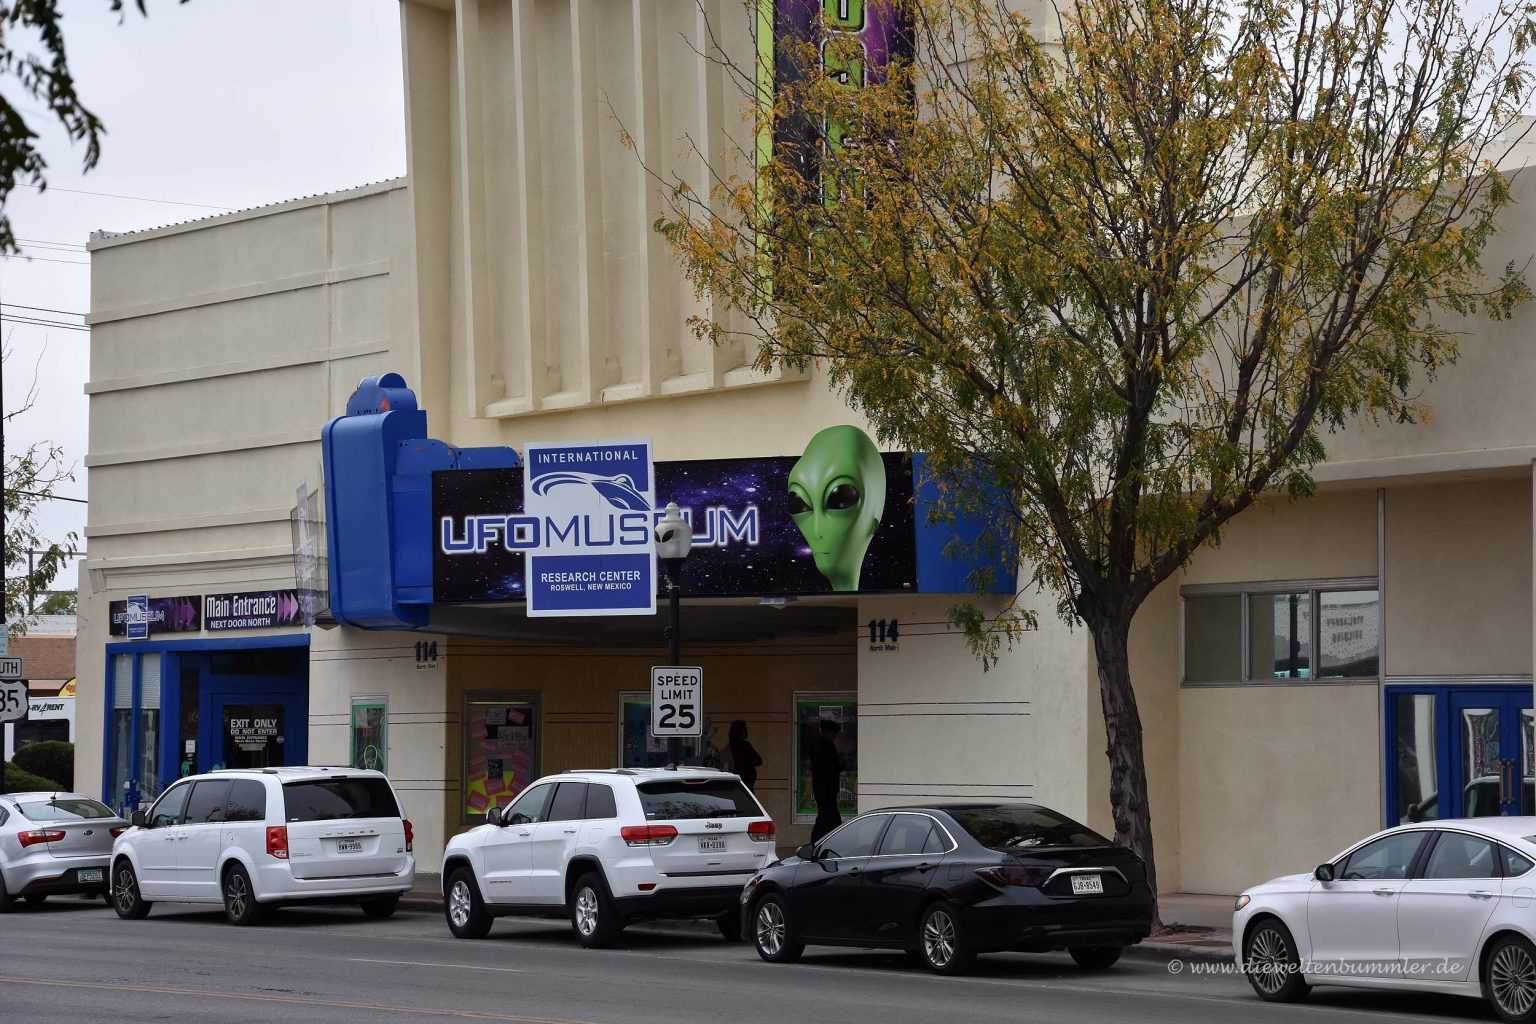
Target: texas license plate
x=711, y=844
x=1087, y=885
x=349, y=846
x=88, y=875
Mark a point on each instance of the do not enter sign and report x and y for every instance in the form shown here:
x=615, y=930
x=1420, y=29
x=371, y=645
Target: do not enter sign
x=677, y=701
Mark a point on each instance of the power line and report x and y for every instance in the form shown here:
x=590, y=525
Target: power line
x=42, y=259
x=42, y=309
x=50, y=497
x=115, y=195
x=49, y=241
x=54, y=247
x=29, y=322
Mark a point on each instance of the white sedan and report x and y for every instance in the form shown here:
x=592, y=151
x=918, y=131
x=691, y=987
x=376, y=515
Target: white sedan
x=1446, y=906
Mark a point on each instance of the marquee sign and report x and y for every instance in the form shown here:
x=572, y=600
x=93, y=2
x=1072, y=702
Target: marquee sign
x=837, y=518
x=157, y=614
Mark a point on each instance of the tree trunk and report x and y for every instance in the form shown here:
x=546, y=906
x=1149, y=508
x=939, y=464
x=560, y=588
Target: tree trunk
x=1127, y=760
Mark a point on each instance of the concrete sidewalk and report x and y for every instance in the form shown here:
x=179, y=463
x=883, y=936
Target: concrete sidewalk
x=1195, y=927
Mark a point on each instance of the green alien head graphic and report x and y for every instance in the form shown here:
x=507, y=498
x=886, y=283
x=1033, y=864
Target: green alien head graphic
x=836, y=498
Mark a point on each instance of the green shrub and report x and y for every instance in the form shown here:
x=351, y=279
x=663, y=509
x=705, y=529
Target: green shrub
x=18, y=780
x=50, y=759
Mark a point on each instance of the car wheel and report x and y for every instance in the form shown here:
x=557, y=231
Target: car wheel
x=36, y=899
x=1271, y=963
x=940, y=944
x=240, y=904
x=1509, y=979
x=729, y=924
x=125, y=893
x=381, y=908
x=773, y=933
x=1096, y=958
x=593, y=917
x=467, y=916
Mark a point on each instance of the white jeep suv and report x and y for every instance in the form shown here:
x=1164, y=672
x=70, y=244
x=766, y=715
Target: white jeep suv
x=252, y=839
x=609, y=847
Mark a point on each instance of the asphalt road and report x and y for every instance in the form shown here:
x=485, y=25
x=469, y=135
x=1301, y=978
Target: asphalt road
x=73, y=961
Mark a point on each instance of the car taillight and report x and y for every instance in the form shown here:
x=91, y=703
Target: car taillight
x=118, y=830
x=1015, y=874
x=410, y=835
x=648, y=835
x=277, y=841
x=761, y=831
x=40, y=835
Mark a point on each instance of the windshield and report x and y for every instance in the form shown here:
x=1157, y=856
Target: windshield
x=63, y=809
x=329, y=799
x=704, y=798
x=1016, y=828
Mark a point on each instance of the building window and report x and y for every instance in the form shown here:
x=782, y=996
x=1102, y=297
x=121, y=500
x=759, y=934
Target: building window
x=1280, y=636
x=1279, y=632
x=1414, y=758
x=1213, y=638
x=639, y=749
x=370, y=733
x=501, y=750
x=811, y=709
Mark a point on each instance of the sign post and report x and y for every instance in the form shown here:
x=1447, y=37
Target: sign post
x=13, y=700
x=677, y=702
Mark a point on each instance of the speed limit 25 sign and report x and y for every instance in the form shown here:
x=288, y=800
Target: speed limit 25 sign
x=677, y=701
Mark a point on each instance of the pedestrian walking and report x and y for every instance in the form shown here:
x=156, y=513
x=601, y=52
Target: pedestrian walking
x=826, y=780
x=744, y=757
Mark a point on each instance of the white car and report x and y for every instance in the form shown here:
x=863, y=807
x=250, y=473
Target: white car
x=609, y=847
x=1446, y=906
x=253, y=839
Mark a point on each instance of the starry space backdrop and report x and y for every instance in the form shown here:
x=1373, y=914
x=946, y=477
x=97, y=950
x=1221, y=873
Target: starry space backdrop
x=780, y=564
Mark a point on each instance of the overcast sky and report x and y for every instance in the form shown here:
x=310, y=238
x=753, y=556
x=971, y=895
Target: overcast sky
x=216, y=104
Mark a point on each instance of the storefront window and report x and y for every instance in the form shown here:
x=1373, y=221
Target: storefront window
x=1280, y=636
x=370, y=733
x=149, y=726
x=1213, y=638
x=1347, y=633
x=811, y=709
x=122, y=727
x=501, y=750
x=639, y=749
x=1414, y=758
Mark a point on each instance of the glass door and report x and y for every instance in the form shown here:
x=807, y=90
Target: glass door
x=1491, y=753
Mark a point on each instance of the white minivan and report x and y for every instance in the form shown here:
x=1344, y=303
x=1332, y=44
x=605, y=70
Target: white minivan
x=256, y=838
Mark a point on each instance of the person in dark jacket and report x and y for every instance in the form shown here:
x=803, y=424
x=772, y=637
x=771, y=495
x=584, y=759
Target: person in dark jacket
x=826, y=780
x=744, y=757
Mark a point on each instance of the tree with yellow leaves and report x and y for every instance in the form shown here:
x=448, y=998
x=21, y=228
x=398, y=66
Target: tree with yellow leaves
x=1125, y=268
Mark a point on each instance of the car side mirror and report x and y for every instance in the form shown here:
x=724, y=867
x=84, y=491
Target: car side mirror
x=139, y=820
x=1324, y=873
x=493, y=816
x=806, y=852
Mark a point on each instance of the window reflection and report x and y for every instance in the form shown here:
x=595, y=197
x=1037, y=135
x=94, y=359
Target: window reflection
x=1280, y=636
x=1413, y=745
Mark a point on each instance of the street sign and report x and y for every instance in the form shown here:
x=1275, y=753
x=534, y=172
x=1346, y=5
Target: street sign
x=677, y=701
x=588, y=514
x=13, y=700
x=11, y=668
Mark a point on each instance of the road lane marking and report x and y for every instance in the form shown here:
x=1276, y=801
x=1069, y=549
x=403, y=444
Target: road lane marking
x=423, y=963
x=433, y=1011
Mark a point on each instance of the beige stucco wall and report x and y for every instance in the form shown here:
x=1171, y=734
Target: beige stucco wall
x=1274, y=779
x=217, y=350
x=1458, y=588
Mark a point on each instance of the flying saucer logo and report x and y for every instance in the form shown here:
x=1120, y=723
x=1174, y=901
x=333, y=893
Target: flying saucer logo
x=619, y=491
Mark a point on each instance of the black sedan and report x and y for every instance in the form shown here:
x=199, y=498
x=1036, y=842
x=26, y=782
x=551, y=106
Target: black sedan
x=948, y=881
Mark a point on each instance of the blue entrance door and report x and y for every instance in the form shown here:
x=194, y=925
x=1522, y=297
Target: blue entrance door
x=262, y=723
x=1491, y=753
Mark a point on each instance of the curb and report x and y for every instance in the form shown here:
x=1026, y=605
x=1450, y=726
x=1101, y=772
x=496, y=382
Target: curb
x=1180, y=951
x=1162, y=951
